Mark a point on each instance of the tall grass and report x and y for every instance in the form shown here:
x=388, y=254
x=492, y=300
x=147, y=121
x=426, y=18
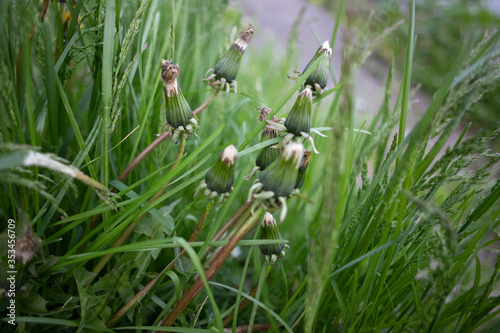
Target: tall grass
x=393, y=231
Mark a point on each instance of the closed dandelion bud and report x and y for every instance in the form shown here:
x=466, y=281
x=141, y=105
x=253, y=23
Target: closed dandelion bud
x=220, y=178
x=300, y=117
x=269, y=230
x=319, y=76
x=178, y=111
x=267, y=155
x=227, y=67
x=301, y=175
x=281, y=175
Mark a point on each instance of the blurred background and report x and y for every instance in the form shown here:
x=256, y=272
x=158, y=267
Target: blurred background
x=442, y=27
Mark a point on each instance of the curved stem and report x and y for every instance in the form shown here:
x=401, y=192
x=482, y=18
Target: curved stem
x=210, y=272
x=237, y=216
x=131, y=227
x=159, y=140
x=201, y=223
x=147, y=287
x=177, y=161
x=137, y=297
x=142, y=155
x=205, y=104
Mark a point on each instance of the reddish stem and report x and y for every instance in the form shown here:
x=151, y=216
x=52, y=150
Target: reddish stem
x=210, y=272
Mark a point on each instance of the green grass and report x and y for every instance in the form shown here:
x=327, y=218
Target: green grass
x=393, y=231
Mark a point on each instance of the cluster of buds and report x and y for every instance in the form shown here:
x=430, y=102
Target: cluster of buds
x=319, y=77
x=277, y=182
x=219, y=179
x=269, y=231
x=180, y=119
x=267, y=155
x=225, y=71
x=298, y=122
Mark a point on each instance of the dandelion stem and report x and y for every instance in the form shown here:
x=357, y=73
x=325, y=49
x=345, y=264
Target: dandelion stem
x=142, y=155
x=201, y=223
x=237, y=216
x=131, y=227
x=205, y=104
x=147, y=287
x=210, y=272
x=157, y=142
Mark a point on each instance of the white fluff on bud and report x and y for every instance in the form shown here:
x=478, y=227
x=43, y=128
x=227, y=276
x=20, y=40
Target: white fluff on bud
x=268, y=220
x=307, y=92
x=325, y=47
x=229, y=155
x=293, y=151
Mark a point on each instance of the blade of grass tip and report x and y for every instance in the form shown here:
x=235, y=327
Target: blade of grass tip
x=334, y=37
x=280, y=104
x=407, y=73
x=107, y=75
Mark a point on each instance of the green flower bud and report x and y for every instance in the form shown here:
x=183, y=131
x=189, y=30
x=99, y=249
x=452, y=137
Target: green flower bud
x=300, y=117
x=269, y=230
x=178, y=111
x=281, y=175
x=220, y=178
x=267, y=154
x=301, y=175
x=320, y=75
x=227, y=67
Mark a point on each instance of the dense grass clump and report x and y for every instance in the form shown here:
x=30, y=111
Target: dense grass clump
x=392, y=230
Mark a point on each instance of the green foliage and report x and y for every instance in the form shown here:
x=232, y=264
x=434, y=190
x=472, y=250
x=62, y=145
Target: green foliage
x=393, y=235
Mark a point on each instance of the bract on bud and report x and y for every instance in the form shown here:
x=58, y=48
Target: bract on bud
x=268, y=154
x=300, y=117
x=269, y=230
x=227, y=67
x=178, y=112
x=319, y=76
x=304, y=163
x=220, y=178
x=225, y=71
x=280, y=176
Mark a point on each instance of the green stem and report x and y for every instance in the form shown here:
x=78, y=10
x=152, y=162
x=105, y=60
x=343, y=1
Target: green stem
x=263, y=274
x=131, y=227
x=169, y=318
x=245, y=301
x=148, y=287
x=201, y=223
x=157, y=142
